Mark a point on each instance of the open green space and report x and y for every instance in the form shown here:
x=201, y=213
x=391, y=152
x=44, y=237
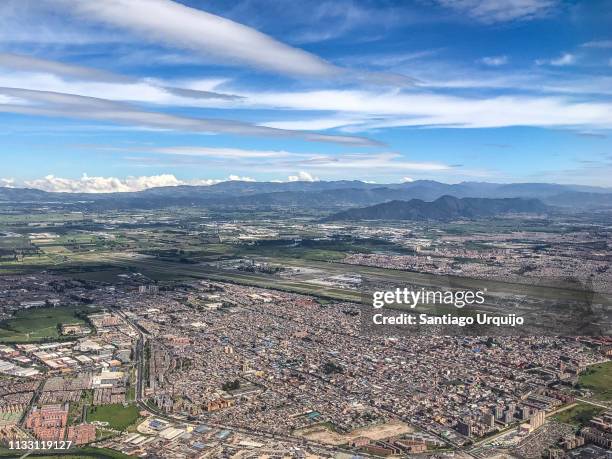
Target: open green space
x=40, y=324
x=51, y=217
x=578, y=415
x=318, y=249
x=119, y=417
x=598, y=379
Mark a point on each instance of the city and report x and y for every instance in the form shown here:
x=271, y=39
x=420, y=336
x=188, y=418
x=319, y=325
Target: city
x=336, y=229
x=249, y=339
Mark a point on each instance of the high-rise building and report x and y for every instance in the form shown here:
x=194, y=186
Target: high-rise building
x=464, y=428
x=537, y=420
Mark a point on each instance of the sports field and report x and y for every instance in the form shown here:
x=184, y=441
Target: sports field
x=38, y=324
x=119, y=417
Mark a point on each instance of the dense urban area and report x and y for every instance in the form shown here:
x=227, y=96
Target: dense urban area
x=188, y=333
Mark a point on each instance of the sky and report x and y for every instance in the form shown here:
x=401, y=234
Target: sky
x=124, y=95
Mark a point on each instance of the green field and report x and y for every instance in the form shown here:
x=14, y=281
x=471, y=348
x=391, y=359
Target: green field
x=598, y=379
x=579, y=415
x=38, y=324
x=119, y=417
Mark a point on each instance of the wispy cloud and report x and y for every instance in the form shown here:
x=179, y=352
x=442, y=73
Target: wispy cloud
x=561, y=61
x=23, y=64
x=494, y=61
x=603, y=44
x=278, y=160
x=369, y=162
x=28, y=22
x=325, y=165
x=388, y=109
x=228, y=153
x=493, y=11
x=169, y=23
x=46, y=103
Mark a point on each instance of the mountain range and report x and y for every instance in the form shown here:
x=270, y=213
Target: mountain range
x=328, y=195
x=444, y=208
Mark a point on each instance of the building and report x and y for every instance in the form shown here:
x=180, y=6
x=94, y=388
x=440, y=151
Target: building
x=603, y=422
x=218, y=404
x=48, y=423
x=48, y=416
x=464, y=428
x=525, y=413
x=411, y=446
x=592, y=435
x=537, y=420
x=75, y=329
x=81, y=434
x=571, y=442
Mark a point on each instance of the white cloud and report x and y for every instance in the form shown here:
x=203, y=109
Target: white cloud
x=408, y=179
x=229, y=153
x=87, y=184
x=565, y=59
x=598, y=44
x=494, y=61
x=302, y=177
x=315, y=124
x=241, y=179
x=7, y=182
x=561, y=61
x=33, y=64
x=93, y=184
x=48, y=103
x=397, y=108
x=264, y=161
x=31, y=72
x=493, y=11
x=171, y=23
x=369, y=162
x=27, y=22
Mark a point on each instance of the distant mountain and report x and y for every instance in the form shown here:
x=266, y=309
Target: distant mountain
x=335, y=195
x=581, y=200
x=444, y=208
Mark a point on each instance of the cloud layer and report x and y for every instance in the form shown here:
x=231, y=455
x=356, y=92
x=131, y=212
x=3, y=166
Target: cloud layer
x=95, y=184
x=48, y=103
x=168, y=22
x=493, y=11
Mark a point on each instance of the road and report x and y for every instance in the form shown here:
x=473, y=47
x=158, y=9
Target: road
x=590, y=402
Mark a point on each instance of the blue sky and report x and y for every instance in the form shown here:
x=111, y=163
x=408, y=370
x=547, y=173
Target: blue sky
x=123, y=95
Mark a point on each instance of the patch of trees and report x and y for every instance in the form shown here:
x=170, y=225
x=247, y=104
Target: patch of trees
x=331, y=368
x=231, y=385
